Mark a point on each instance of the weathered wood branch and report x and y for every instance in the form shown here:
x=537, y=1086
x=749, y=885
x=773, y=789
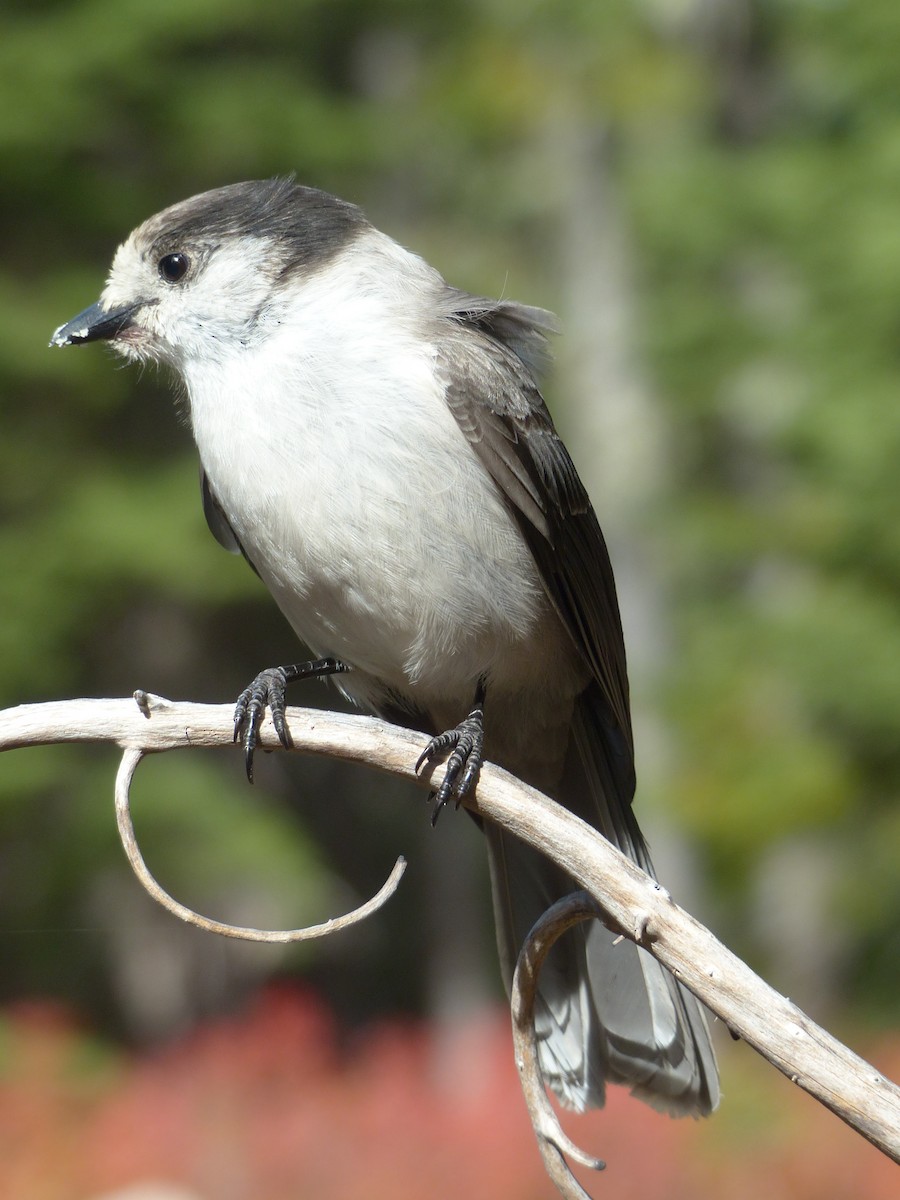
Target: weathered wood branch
x=631, y=902
x=131, y=759
x=553, y=1143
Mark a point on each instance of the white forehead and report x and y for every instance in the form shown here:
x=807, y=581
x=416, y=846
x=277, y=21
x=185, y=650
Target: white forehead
x=250, y=263
x=243, y=262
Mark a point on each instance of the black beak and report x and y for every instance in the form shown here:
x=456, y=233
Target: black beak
x=93, y=325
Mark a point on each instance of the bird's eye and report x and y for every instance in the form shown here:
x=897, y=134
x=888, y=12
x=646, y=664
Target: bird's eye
x=174, y=267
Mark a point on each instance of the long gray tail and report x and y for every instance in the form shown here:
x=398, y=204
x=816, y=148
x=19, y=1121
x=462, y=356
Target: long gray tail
x=608, y=1011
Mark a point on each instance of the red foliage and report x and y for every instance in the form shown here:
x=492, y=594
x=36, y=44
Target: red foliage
x=269, y=1106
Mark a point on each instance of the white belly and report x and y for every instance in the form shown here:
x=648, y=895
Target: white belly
x=380, y=535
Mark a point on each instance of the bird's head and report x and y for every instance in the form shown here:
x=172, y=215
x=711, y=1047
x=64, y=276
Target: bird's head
x=209, y=275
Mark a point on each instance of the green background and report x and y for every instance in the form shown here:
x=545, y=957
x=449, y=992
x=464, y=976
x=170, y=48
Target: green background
x=708, y=196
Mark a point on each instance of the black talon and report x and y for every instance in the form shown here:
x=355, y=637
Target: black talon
x=267, y=691
x=464, y=763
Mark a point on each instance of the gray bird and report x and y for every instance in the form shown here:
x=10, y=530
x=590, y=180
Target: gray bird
x=375, y=443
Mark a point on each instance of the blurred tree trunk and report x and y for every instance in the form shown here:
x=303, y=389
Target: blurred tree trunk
x=620, y=437
x=461, y=956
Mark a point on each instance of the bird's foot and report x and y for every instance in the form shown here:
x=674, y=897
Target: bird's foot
x=466, y=743
x=267, y=691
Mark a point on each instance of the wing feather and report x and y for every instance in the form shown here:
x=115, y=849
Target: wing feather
x=493, y=392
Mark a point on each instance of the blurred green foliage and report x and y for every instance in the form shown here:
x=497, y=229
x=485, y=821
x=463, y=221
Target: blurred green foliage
x=757, y=159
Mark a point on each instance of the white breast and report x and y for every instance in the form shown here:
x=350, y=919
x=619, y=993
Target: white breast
x=357, y=497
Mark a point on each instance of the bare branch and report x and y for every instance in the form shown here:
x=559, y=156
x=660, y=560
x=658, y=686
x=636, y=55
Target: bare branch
x=129, y=764
x=630, y=901
x=553, y=1143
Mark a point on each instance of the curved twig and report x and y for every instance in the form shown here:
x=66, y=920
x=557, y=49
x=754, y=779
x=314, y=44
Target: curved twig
x=553, y=1143
x=760, y=1016
x=129, y=764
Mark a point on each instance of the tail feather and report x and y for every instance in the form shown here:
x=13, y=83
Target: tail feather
x=608, y=1011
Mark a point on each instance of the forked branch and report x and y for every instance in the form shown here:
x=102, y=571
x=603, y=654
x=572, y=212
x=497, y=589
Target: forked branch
x=629, y=901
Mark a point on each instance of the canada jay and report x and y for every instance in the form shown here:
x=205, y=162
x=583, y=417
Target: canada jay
x=374, y=442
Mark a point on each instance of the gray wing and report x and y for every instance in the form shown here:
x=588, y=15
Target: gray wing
x=609, y=1011
x=219, y=525
x=488, y=363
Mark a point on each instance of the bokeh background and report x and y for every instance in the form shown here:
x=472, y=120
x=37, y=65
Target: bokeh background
x=708, y=193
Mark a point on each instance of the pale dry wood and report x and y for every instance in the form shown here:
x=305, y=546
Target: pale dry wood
x=632, y=903
x=131, y=759
x=554, y=1144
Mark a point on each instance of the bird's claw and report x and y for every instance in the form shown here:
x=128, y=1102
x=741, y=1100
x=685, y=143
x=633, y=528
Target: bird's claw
x=266, y=691
x=466, y=743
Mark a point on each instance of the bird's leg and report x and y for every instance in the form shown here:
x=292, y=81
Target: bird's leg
x=464, y=763
x=267, y=691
